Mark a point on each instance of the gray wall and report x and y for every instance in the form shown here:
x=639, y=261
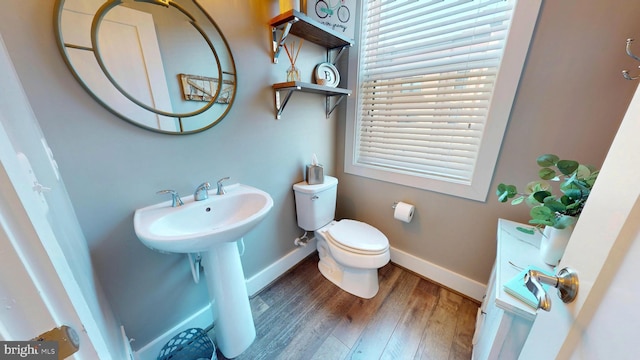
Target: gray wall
x=571, y=101
x=111, y=167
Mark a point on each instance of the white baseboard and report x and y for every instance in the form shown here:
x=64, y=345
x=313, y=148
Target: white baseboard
x=457, y=282
x=204, y=317
x=265, y=277
x=448, y=278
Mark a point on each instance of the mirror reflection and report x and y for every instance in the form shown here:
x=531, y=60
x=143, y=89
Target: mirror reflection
x=160, y=64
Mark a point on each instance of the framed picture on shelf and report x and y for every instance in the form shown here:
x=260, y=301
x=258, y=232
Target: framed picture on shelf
x=338, y=15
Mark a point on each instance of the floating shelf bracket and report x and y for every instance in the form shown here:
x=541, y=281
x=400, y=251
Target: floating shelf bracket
x=339, y=53
x=278, y=43
x=329, y=108
x=281, y=103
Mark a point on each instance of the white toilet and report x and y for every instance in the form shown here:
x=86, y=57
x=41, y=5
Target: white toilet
x=350, y=251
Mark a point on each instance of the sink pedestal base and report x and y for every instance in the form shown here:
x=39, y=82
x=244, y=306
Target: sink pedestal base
x=234, y=326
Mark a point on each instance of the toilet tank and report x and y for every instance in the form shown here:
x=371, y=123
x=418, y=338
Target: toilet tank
x=316, y=204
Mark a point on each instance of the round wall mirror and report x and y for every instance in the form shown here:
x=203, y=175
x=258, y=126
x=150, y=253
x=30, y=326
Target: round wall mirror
x=163, y=65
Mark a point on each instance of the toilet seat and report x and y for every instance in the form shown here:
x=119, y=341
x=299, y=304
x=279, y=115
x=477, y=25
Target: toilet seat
x=357, y=237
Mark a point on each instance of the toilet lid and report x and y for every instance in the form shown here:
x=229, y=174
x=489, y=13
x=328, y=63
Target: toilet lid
x=359, y=236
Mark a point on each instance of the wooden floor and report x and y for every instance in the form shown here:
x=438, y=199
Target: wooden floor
x=303, y=316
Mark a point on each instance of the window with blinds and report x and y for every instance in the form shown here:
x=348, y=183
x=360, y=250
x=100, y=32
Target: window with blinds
x=428, y=75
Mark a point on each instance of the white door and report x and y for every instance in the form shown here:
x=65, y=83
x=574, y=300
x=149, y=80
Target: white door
x=46, y=276
x=604, y=249
x=33, y=297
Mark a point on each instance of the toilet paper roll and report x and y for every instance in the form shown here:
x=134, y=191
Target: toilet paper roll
x=404, y=212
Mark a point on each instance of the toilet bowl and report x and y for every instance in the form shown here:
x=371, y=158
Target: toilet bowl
x=352, y=262
x=351, y=252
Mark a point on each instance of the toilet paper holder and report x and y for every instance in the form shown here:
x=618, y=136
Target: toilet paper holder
x=403, y=211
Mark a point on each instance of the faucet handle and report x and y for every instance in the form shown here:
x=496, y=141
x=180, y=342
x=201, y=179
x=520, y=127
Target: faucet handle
x=201, y=192
x=220, y=187
x=175, y=198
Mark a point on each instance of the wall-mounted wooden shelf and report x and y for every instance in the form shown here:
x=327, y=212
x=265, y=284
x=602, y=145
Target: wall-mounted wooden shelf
x=300, y=25
x=288, y=88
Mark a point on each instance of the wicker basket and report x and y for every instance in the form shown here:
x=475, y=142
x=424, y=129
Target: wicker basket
x=190, y=344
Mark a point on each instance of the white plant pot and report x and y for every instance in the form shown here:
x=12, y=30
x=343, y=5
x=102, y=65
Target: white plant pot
x=553, y=243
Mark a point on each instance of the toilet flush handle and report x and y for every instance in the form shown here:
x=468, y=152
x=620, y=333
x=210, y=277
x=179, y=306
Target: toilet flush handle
x=315, y=197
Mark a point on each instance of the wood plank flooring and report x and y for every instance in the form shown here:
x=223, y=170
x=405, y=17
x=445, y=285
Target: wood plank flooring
x=304, y=316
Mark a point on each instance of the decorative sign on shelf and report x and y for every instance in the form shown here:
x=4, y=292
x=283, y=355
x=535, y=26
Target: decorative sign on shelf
x=338, y=15
x=202, y=88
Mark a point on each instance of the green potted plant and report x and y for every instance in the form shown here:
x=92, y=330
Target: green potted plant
x=557, y=213
x=549, y=209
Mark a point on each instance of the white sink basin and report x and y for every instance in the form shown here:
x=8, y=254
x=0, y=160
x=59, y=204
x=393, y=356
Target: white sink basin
x=197, y=226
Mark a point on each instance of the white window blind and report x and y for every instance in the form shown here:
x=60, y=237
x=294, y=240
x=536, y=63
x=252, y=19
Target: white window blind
x=429, y=69
x=436, y=81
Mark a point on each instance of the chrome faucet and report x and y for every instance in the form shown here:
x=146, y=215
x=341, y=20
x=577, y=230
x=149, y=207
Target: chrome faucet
x=175, y=198
x=220, y=187
x=201, y=192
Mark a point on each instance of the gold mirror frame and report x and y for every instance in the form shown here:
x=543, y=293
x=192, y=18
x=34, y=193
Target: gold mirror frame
x=215, y=86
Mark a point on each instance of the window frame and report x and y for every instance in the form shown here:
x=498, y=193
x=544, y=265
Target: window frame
x=525, y=15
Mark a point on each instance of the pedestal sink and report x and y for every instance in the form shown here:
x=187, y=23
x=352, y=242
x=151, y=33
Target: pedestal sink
x=212, y=227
